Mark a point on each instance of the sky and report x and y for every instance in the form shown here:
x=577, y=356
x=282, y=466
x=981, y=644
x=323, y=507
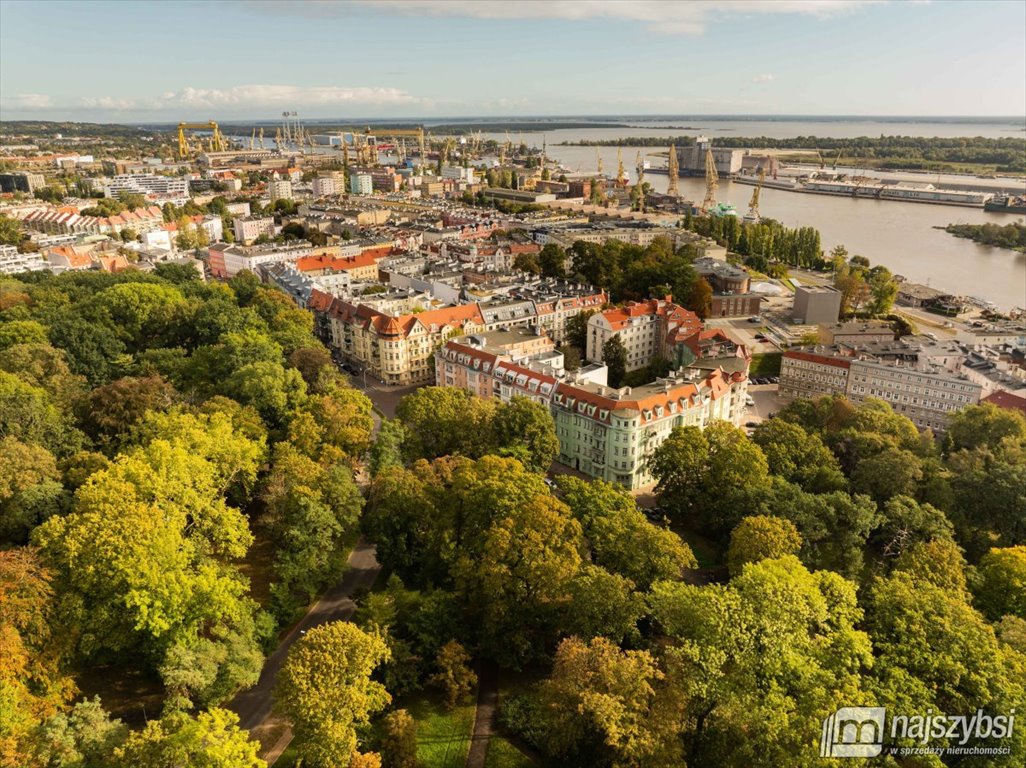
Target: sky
x=149, y=61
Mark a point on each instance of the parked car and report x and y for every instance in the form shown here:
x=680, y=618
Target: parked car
x=749, y=401
x=755, y=319
x=752, y=424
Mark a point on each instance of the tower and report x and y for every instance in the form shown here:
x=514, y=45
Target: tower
x=711, y=181
x=674, y=172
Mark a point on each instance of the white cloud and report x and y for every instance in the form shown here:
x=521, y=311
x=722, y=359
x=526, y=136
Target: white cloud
x=239, y=97
x=27, y=101
x=666, y=16
x=764, y=78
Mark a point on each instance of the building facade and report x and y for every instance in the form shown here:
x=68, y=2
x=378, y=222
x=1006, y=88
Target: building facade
x=648, y=330
x=249, y=228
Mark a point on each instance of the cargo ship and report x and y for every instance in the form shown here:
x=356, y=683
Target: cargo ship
x=1006, y=204
x=875, y=189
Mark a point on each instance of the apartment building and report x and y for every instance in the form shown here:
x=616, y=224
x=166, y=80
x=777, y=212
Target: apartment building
x=21, y=182
x=928, y=394
x=603, y=432
x=324, y=186
x=279, y=189
x=227, y=260
x=397, y=349
x=648, y=330
x=68, y=221
x=147, y=184
x=249, y=228
x=12, y=262
x=361, y=184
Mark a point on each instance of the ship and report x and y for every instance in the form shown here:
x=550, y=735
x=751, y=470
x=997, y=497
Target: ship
x=1006, y=204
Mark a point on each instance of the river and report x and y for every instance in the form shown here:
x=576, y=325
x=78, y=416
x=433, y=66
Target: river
x=901, y=236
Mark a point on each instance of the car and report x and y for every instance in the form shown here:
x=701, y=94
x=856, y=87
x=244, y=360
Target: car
x=773, y=380
x=749, y=401
x=755, y=319
x=752, y=424
x=550, y=482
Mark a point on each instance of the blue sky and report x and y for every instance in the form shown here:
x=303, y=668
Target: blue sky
x=170, y=60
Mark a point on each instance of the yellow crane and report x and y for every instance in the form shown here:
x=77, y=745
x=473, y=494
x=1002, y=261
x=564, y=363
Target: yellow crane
x=217, y=142
x=262, y=146
x=711, y=181
x=673, y=172
x=753, y=215
x=598, y=160
x=252, y=140
x=621, y=174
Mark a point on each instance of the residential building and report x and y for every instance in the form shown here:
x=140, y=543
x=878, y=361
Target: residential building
x=361, y=184
x=249, y=228
x=927, y=394
x=147, y=184
x=324, y=186
x=397, y=349
x=648, y=330
x=603, y=432
x=68, y=220
x=857, y=333
x=360, y=266
x=459, y=173
x=21, y=182
x=12, y=262
x=279, y=189
x=226, y=260
x=816, y=304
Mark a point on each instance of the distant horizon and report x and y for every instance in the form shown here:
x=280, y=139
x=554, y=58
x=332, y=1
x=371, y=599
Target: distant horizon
x=552, y=117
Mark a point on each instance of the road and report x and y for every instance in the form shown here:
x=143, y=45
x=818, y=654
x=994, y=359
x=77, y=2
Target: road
x=254, y=706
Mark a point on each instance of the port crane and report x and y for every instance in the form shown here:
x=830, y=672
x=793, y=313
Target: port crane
x=711, y=181
x=217, y=142
x=753, y=216
x=621, y=174
x=598, y=160
x=673, y=173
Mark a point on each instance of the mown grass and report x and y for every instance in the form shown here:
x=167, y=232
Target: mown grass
x=443, y=734
x=502, y=754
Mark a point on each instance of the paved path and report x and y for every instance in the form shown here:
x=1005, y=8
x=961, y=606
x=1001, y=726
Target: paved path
x=254, y=706
x=484, y=718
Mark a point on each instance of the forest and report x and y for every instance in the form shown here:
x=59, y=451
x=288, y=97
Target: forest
x=184, y=470
x=1010, y=236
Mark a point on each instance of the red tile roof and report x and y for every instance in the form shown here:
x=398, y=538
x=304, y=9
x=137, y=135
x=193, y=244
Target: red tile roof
x=1006, y=400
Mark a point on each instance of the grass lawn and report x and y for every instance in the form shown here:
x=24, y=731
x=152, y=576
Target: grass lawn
x=502, y=754
x=443, y=735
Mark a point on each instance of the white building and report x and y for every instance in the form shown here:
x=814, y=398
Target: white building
x=279, y=189
x=12, y=262
x=238, y=209
x=250, y=228
x=459, y=173
x=147, y=184
x=324, y=186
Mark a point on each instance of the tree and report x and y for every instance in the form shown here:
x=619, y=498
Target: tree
x=614, y=355
x=524, y=428
x=601, y=707
x=798, y=456
x=442, y=421
x=718, y=474
x=759, y=538
x=326, y=691
x=757, y=664
x=113, y=409
x=83, y=737
x=270, y=388
x=699, y=299
x=527, y=262
x=211, y=739
x=1002, y=587
x=10, y=230
x=883, y=289
x=983, y=425
x=906, y=522
x=577, y=329
x=454, y=676
x=399, y=741
x=552, y=261
x=29, y=488
x=387, y=450
x=21, y=332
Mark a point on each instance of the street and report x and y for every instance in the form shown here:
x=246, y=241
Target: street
x=255, y=705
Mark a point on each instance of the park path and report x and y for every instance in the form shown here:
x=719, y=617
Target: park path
x=254, y=706
x=484, y=717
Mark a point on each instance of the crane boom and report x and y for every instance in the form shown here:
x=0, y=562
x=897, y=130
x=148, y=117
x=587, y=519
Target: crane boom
x=711, y=181
x=217, y=142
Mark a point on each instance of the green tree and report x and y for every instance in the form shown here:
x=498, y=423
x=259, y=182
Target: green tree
x=553, y=261
x=759, y=538
x=577, y=329
x=387, y=450
x=454, y=676
x=399, y=741
x=326, y=691
x=601, y=707
x=83, y=737
x=441, y=421
x=524, y=428
x=211, y=739
x=29, y=488
x=799, y=457
x=982, y=425
x=614, y=355
x=1002, y=587
x=527, y=262
x=699, y=298
x=22, y=332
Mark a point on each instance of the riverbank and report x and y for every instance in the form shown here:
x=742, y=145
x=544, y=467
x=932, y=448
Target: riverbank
x=1011, y=237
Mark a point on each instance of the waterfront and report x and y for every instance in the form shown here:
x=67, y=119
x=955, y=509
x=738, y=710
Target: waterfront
x=899, y=235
